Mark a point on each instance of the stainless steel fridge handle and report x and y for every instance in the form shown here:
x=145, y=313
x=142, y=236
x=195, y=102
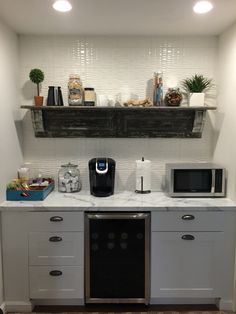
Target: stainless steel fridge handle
x=213, y=182
x=118, y=216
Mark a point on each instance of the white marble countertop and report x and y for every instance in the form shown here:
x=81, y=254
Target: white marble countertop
x=125, y=201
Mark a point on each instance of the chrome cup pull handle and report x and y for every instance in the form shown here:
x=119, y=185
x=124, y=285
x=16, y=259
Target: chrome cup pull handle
x=56, y=219
x=55, y=273
x=188, y=217
x=188, y=237
x=55, y=239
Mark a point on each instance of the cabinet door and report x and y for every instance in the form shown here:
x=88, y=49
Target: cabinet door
x=187, y=264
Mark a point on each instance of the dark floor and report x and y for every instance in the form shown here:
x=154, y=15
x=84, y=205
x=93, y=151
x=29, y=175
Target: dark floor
x=192, y=309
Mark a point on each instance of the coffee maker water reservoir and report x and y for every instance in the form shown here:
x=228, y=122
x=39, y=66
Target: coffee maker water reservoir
x=102, y=176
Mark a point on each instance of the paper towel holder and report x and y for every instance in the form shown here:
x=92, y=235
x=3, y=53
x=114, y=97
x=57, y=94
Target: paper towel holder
x=142, y=191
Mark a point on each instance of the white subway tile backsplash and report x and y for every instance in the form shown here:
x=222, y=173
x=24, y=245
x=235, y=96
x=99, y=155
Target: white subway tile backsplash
x=118, y=68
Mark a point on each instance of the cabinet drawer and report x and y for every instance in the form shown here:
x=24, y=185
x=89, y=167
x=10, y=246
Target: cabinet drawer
x=56, y=221
x=62, y=282
x=56, y=248
x=187, y=221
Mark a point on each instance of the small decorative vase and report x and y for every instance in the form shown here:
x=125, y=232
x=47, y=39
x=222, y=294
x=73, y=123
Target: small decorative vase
x=38, y=100
x=196, y=99
x=173, y=97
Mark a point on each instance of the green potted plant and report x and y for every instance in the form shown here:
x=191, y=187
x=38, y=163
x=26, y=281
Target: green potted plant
x=195, y=87
x=37, y=77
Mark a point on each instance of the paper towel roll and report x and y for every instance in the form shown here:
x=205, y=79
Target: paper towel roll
x=143, y=176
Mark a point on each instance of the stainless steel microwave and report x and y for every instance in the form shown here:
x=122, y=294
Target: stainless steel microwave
x=195, y=180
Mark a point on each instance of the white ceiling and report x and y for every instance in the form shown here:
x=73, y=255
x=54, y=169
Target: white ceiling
x=117, y=17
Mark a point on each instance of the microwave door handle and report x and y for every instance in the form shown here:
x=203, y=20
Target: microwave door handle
x=213, y=181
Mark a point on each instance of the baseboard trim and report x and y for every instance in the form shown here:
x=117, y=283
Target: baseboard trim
x=58, y=302
x=183, y=301
x=226, y=305
x=14, y=306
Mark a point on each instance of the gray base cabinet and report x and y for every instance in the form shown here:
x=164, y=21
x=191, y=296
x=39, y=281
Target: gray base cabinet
x=190, y=255
x=43, y=256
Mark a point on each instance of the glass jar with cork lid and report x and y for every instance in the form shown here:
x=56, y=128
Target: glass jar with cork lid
x=75, y=90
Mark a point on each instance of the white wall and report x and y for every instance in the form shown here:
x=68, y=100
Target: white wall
x=114, y=66
x=10, y=137
x=225, y=147
x=10, y=148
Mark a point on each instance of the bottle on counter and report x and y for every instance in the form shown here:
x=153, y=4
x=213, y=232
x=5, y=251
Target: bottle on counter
x=69, y=180
x=75, y=91
x=89, y=96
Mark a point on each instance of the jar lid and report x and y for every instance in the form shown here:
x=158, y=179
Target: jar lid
x=173, y=88
x=74, y=76
x=69, y=165
x=88, y=88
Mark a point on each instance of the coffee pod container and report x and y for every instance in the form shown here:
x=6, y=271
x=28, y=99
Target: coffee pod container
x=143, y=176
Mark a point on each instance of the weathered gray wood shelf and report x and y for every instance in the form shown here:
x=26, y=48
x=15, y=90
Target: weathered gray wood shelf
x=122, y=122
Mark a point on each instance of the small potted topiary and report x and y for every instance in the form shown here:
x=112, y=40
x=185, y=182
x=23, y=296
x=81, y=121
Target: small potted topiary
x=195, y=87
x=37, y=77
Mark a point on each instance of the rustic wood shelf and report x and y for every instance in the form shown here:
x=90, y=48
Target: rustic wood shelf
x=121, y=122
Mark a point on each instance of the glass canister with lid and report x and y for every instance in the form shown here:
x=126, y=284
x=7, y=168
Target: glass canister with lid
x=69, y=180
x=173, y=97
x=75, y=90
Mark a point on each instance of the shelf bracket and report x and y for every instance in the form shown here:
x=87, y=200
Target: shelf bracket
x=199, y=121
x=37, y=120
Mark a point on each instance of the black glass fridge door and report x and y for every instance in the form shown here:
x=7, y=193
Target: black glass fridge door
x=117, y=258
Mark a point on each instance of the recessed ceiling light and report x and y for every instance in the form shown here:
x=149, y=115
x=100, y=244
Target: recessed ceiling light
x=202, y=7
x=62, y=5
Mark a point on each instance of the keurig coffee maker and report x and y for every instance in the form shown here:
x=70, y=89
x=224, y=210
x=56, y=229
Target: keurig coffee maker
x=102, y=176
